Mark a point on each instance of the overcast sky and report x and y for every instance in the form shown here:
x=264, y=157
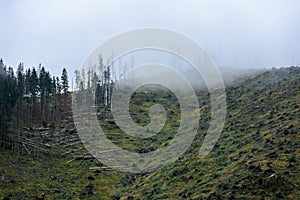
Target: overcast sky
x=236, y=33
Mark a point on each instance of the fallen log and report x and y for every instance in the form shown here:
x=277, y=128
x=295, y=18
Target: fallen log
x=98, y=169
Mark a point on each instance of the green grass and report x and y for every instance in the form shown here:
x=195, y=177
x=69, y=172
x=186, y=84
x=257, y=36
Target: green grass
x=24, y=177
x=260, y=139
x=257, y=155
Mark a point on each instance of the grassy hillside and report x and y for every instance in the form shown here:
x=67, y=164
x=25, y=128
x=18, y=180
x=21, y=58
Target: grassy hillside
x=257, y=155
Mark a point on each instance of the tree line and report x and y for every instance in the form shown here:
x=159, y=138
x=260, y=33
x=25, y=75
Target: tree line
x=31, y=96
x=97, y=81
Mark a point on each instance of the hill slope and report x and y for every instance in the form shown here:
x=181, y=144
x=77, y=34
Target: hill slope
x=257, y=155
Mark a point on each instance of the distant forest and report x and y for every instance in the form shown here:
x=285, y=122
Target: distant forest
x=31, y=96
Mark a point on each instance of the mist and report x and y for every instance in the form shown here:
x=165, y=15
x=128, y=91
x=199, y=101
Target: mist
x=126, y=70
x=236, y=34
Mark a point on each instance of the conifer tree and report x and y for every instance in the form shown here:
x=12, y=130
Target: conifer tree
x=65, y=86
x=64, y=79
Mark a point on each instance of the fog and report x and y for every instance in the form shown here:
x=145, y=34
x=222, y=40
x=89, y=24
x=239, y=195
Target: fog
x=130, y=70
x=238, y=34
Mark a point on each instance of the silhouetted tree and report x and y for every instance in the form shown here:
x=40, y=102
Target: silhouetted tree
x=65, y=86
x=64, y=79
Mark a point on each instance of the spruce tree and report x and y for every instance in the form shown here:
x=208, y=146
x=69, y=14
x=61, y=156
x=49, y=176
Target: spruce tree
x=21, y=80
x=64, y=79
x=65, y=86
